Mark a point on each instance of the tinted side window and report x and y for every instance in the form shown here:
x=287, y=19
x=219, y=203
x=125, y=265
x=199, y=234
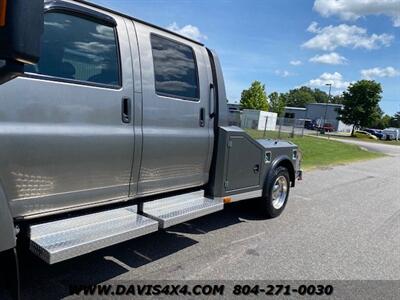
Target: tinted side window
x=78, y=48
x=175, y=69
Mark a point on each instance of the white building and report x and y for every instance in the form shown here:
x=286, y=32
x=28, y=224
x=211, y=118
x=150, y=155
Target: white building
x=317, y=112
x=344, y=127
x=258, y=119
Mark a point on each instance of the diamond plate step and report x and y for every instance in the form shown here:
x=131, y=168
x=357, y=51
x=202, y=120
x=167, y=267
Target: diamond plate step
x=177, y=209
x=60, y=240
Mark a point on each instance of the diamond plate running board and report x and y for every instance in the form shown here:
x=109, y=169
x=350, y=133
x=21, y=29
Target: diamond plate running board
x=177, y=209
x=64, y=239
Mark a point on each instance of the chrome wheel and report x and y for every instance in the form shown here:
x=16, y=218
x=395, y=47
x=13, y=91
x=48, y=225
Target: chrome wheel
x=279, y=192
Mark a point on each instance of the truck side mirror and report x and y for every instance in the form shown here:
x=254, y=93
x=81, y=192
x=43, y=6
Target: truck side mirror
x=21, y=28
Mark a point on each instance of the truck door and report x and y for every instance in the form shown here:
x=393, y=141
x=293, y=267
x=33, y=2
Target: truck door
x=177, y=129
x=66, y=127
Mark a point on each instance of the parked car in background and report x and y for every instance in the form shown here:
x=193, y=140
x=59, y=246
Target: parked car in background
x=376, y=132
x=328, y=127
x=391, y=133
x=310, y=124
x=365, y=135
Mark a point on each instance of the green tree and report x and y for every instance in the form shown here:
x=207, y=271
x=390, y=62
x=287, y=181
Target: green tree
x=304, y=95
x=395, y=120
x=277, y=103
x=385, y=122
x=255, y=97
x=379, y=120
x=300, y=97
x=361, y=103
x=338, y=99
x=320, y=96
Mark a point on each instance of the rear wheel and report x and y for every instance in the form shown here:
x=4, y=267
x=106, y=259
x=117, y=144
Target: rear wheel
x=276, y=192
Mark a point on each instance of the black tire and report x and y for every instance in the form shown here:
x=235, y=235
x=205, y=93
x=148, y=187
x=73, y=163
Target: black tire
x=9, y=275
x=273, y=210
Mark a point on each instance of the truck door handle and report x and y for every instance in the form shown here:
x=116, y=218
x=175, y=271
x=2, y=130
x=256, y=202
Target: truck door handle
x=256, y=169
x=211, y=101
x=202, y=117
x=126, y=110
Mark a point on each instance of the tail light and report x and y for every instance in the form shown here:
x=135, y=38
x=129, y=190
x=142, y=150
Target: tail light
x=3, y=12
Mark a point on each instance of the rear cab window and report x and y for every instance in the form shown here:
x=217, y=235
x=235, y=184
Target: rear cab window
x=78, y=49
x=175, y=69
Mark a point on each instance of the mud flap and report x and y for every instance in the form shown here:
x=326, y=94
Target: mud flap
x=10, y=274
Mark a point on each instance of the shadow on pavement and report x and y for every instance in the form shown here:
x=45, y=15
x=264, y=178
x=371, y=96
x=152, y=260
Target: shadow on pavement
x=42, y=281
x=232, y=214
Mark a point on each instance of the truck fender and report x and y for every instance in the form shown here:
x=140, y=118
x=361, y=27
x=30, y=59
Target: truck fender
x=7, y=231
x=283, y=161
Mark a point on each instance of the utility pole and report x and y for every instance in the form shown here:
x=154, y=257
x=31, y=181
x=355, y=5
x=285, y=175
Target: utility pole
x=326, y=105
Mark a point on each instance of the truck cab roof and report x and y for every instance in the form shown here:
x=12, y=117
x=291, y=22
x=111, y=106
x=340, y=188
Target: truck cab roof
x=94, y=5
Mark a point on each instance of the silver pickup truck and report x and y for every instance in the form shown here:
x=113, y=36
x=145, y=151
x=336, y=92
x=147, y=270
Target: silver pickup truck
x=112, y=128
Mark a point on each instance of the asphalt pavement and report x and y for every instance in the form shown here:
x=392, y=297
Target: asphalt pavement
x=372, y=146
x=341, y=222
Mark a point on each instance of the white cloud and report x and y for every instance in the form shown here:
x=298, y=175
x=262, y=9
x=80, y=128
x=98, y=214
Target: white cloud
x=284, y=73
x=354, y=9
x=336, y=79
x=313, y=27
x=332, y=58
x=295, y=62
x=379, y=72
x=190, y=31
x=94, y=47
x=331, y=37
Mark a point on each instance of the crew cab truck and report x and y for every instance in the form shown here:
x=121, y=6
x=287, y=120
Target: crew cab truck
x=112, y=128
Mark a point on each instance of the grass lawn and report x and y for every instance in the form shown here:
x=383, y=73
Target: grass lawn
x=322, y=152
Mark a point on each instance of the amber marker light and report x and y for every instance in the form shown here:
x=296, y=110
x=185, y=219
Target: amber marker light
x=227, y=200
x=3, y=9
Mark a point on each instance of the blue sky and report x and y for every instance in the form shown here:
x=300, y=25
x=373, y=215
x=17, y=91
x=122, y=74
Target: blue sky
x=289, y=43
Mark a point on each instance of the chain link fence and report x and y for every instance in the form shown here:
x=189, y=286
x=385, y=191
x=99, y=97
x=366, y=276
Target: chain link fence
x=293, y=127
x=287, y=127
